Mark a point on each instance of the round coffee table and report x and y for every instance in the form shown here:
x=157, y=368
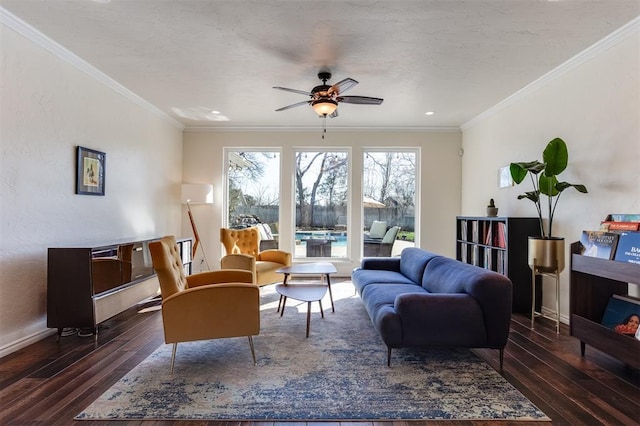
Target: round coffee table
x=304, y=293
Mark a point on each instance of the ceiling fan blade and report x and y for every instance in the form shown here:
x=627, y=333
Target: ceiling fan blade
x=362, y=100
x=302, y=92
x=342, y=86
x=294, y=105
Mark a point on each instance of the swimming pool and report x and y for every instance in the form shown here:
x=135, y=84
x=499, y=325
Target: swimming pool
x=340, y=238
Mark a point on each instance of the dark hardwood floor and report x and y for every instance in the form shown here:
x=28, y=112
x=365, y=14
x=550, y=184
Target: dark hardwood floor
x=48, y=383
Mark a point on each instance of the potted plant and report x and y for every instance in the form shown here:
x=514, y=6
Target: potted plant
x=492, y=210
x=546, y=252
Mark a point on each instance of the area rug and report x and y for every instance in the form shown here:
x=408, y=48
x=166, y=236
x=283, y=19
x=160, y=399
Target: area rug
x=338, y=373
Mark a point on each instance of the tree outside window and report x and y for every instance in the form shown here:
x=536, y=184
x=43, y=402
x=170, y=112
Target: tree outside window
x=389, y=187
x=321, y=190
x=253, y=193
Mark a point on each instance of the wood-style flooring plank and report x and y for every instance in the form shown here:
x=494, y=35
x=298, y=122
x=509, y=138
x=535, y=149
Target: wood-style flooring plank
x=49, y=383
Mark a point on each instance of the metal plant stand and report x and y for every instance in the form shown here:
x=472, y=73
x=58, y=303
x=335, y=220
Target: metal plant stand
x=535, y=270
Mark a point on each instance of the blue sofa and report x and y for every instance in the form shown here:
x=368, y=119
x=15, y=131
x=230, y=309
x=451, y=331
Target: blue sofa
x=422, y=299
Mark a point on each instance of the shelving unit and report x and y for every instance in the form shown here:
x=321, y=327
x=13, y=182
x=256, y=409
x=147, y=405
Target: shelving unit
x=593, y=282
x=500, y=244
x=87, y=285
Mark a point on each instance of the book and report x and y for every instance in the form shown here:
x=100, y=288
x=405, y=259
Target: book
x=500, y=238
x=619, y=226
x=488, y=238
x=474, y=231
x=628, y=247
x=622, y=315
x=623, y=217
x=600, y=244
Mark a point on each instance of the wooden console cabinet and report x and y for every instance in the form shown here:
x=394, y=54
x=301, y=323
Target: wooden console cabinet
x=88, y=285
x=593, y=282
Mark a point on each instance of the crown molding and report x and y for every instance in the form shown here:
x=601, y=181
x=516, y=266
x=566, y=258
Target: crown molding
x=621, y=34
x=314, y=129
x=27, y=31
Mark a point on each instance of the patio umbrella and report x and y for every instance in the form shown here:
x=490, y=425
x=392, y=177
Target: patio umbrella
x=370, y=202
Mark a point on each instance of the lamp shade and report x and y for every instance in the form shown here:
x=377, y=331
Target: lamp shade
x=197, y=193
x=324, y=106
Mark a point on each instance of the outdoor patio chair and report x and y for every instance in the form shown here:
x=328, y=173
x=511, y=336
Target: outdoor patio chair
x=384, y=247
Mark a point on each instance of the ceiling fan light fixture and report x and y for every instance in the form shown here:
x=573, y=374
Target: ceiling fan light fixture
x=324, y=106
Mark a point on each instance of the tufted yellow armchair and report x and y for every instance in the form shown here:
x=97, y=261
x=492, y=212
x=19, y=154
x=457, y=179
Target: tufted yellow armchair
x=242, y=246
x=208, y=305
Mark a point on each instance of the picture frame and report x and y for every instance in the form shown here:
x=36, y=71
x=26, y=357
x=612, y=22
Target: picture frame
x=504, y=177
x=90, y=171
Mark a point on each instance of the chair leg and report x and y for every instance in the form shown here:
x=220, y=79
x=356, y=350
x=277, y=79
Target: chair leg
x=501, y=358
x=253, y=352
x=173, y=357
x=388, y=356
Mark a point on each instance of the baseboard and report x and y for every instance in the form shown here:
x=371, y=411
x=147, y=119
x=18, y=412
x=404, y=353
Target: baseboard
x=25, y=341
x=551, y=313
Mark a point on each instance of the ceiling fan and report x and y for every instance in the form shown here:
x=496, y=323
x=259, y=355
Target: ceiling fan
x=324, y=99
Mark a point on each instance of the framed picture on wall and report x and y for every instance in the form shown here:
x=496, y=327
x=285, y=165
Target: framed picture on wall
x=504, y=177
x=90, y=171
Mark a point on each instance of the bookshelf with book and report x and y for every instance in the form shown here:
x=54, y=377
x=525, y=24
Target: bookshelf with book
x=594, y=282
x=500, y=244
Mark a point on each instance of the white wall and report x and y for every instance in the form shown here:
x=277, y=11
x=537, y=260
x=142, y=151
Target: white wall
x=47, y=108
x=439, y=200
x=595, y=108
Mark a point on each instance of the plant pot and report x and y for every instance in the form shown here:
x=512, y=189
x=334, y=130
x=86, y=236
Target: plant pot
x=492, y=211
x=546, y=254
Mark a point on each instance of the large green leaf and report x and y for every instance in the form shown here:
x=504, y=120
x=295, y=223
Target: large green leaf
x=555, y=157
x=519, y=170
x=530, y=195
x=547, y=185
x=561, y=186
x=518, y=173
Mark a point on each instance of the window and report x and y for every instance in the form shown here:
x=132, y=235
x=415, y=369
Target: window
x=321, y=200
x=253, y=193
x=389, y=188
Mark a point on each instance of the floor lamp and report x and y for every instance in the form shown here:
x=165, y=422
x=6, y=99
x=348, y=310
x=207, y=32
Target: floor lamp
x=196, y=193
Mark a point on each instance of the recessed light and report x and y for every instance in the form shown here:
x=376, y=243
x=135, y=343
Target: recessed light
x=428, y=113
x=215, y=112
x=102, y=1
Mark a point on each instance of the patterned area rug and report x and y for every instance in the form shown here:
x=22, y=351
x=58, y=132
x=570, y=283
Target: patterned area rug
x=338, y=373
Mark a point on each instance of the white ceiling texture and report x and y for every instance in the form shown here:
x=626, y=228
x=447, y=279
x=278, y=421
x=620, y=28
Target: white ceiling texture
x=456, y=58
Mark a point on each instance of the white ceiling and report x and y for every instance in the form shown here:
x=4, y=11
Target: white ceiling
x=457, y=58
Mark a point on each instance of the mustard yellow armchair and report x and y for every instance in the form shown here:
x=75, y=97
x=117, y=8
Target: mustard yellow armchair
x=208, y=305
x=242, y=247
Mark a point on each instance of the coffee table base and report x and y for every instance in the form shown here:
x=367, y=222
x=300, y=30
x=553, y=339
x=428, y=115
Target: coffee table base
x=304, y=293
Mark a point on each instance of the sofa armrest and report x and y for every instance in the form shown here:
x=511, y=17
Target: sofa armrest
x=277, y=256
x=445, y=319
x=239, y=261
x=494, y=293
x=381, y=263
x=226, y=275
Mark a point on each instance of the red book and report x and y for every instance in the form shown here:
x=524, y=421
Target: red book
x=500, y=238
x=619, y=226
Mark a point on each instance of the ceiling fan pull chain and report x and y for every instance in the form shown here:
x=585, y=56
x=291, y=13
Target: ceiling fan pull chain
x=324, y=125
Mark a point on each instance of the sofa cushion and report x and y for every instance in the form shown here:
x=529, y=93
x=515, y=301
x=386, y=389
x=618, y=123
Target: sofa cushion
x=364, y=277
x=413, y=261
